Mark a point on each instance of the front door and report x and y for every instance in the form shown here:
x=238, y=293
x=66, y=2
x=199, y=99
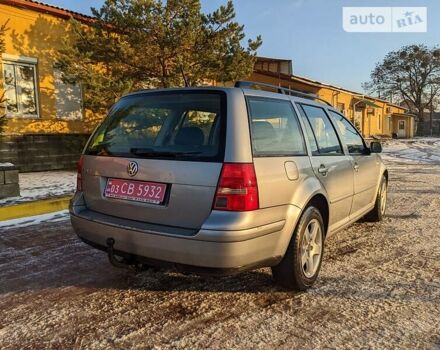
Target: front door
x=401, y=131
x=365, y=165
x=366, y=168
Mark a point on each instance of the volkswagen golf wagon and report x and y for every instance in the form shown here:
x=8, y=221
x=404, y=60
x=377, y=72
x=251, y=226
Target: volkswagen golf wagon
x=220, y=180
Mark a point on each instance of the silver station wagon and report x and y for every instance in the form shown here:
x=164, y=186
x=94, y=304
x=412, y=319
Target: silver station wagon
x=220, y=180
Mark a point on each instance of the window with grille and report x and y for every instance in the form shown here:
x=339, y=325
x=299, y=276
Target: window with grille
x=20, y=85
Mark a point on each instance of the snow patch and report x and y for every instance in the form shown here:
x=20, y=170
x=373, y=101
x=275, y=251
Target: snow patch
x=35, y=220
x=43, y=185
x=412, y=151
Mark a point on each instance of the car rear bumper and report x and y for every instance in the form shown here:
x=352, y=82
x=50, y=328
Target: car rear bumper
x=262, y=245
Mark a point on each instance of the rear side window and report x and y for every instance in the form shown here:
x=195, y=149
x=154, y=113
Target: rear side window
x=275, y=129
x=349, y=134
x=172, y=125
x=325, y=135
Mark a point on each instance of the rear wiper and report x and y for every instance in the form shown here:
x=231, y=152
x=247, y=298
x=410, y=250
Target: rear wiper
x=96, y=149
x=149, y=152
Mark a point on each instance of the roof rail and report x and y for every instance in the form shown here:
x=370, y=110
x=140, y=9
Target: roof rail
x=281, y=90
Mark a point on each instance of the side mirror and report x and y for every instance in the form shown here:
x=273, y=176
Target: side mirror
x=375, y=147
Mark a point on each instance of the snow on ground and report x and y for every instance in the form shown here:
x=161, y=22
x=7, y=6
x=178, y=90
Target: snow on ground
x=43, y=185
x=412, y=151
x=35, y=220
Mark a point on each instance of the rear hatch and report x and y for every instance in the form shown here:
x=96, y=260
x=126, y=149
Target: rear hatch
x=157, y=157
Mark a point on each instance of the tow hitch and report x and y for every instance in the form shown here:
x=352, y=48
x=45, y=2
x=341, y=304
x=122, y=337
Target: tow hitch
x=121, y=262
x=115, y=261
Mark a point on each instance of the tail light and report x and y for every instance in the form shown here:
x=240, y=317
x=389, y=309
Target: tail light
x=237, y=188
x=79, y=174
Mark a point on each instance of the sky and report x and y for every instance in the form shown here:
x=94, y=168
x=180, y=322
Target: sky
x=310, y=33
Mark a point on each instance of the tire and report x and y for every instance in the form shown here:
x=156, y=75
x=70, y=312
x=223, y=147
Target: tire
x=294, y=271
x=378, y=212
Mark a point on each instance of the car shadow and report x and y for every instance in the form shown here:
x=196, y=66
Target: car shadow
x=52, y=256
x=85, y=267
x=52, y=259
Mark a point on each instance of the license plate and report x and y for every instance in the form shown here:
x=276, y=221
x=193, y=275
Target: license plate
x=139, y=191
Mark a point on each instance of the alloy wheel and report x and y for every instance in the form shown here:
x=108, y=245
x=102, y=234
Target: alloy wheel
x=383, y=197
x=311, y=248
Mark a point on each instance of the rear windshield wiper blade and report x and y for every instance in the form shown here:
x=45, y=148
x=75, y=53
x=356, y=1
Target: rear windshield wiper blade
x=99, y=148
x=149, y=152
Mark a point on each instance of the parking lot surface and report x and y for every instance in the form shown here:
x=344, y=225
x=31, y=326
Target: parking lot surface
x=379, y=288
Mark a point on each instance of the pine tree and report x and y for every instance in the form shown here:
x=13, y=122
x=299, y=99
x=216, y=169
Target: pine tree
x=136, y=44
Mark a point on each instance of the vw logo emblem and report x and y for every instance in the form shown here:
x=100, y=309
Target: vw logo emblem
x=132, y=168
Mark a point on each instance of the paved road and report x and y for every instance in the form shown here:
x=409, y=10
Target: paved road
x=379, y=288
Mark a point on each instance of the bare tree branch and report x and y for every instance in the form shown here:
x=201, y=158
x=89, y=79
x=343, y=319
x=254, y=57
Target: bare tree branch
x=411, y=73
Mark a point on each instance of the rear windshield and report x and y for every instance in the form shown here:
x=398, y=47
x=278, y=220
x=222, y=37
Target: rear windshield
x=176, y=125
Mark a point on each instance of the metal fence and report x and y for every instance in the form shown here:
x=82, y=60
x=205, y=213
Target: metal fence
x=424, y=128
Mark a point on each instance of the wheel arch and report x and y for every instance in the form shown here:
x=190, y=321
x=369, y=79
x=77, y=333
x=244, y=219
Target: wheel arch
x=319, y=201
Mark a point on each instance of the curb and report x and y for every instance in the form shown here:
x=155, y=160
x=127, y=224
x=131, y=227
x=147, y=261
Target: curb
x=38, y=207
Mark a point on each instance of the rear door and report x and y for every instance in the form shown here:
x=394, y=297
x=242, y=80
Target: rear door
x=332, y=167
x=169, y=142
x=366, y=165
x=279, y=150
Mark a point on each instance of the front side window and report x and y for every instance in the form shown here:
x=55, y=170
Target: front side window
x=182, y=126
x=325, y=135
x=20, y=89
x=275, y=129
x=349, y=134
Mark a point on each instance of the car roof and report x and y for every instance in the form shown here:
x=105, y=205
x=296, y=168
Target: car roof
x=275, y=95
x=246, y=92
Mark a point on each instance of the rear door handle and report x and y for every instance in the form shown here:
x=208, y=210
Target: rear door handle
x=322, y=170
x=356, y=167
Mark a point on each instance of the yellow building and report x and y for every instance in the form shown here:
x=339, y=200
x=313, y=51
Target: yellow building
x=38, y=101
x=47, y=124
x=373, y=116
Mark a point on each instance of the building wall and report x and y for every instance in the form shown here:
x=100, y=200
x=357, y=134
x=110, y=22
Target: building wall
x=274, y=65
x=371, y=120
x=39, y=36
x=38, y=152
x=263, y=78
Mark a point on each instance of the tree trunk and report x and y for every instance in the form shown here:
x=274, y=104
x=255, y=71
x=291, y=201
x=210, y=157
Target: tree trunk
x=420, y=115
x=431, y=111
